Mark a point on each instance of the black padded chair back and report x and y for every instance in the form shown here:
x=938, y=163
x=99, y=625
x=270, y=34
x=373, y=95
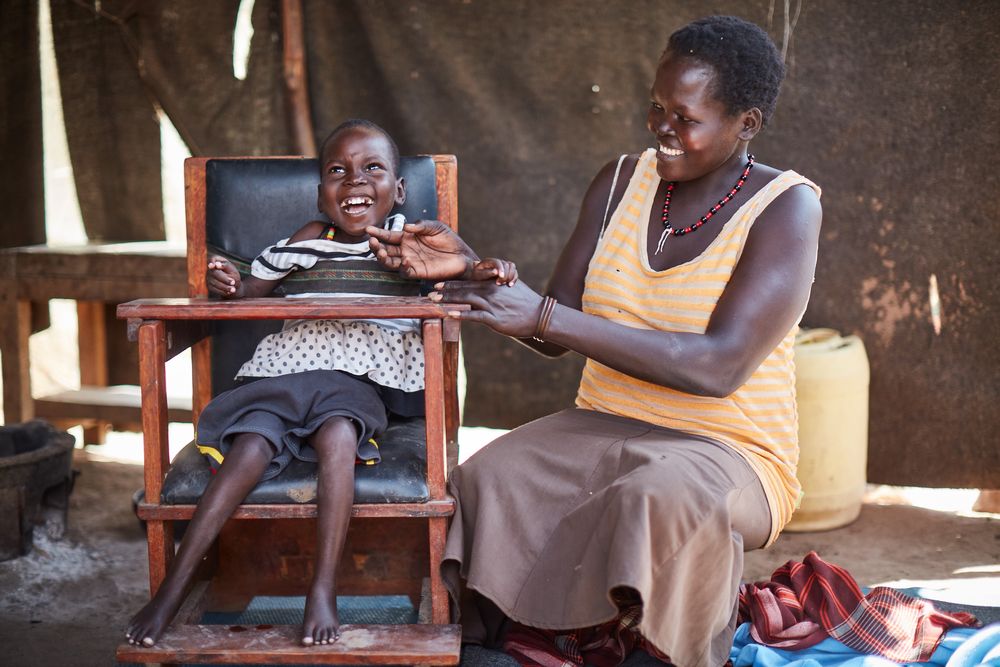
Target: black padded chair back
x=251, y=203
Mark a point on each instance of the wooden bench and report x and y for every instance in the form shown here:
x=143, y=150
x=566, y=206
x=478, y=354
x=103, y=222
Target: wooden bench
x=93, y=275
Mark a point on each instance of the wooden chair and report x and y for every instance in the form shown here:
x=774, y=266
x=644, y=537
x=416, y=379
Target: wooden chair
x=396, y=539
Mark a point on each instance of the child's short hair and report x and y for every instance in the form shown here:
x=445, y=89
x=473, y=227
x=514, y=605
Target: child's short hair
x=748, y=66
x=353, y=123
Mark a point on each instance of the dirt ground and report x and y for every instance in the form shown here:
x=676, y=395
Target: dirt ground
x=67, y=602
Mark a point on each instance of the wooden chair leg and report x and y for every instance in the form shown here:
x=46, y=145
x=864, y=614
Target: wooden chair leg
x=438, y=534
x=156, y=455
x=160, y=543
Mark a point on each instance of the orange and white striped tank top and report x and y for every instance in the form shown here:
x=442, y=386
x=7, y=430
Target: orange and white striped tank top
x=759, y=420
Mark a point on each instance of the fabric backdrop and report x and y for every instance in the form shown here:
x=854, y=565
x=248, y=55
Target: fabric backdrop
x=21, y=184
x=886, y=106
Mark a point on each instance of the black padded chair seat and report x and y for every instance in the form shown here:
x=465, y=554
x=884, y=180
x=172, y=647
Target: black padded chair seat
x=399, y=478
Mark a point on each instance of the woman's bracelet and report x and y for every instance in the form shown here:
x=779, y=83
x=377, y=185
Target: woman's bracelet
x=544, y=317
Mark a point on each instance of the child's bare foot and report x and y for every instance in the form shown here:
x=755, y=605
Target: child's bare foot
x=146, y=627
x=321, y=624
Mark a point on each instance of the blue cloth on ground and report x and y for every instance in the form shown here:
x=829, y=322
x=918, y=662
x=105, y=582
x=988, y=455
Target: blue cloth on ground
x=961, y=647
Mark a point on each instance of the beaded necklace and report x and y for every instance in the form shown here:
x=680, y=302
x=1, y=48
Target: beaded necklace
x=668, y=230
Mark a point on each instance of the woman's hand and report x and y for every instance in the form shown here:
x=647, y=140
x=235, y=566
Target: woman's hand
x=511, y=310
x=223, y=279
x=424, y=250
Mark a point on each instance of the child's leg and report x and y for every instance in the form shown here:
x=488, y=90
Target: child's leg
x=240, y=471
x=336, y=444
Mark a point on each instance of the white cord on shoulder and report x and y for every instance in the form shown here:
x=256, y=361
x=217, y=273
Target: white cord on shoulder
x=611, y=194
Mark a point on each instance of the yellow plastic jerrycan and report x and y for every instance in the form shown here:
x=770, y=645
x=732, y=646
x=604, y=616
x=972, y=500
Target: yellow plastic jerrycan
x=831, y=382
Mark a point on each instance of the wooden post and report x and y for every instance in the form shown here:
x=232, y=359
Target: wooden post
x=152, y=383
x=435, y=407
x=194, y=213
x=296, y=78
x=197, y=256
x=452, y=414
x=92, y=342
x=434, y=367
x=446, y=186
x=201, y=378
x=15, y=313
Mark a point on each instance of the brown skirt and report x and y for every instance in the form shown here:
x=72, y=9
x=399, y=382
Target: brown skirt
x=555, y=515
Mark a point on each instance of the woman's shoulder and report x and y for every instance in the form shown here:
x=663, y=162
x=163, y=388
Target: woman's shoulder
x=624, y=165
x=616, y=172
x=788, y=197
x=786, y=179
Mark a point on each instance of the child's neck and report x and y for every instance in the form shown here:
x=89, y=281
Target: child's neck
x=337, y=234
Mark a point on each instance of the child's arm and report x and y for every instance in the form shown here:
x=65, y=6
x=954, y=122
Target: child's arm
x=224, y=279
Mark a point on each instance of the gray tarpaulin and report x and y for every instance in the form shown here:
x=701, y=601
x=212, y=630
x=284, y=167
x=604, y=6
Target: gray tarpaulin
x=887, y=106
x=21, y=125
x=21, y=183
x=111, y=127
x=187, y=48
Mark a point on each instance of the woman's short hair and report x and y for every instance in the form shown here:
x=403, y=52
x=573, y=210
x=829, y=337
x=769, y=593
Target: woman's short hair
x=748, y=65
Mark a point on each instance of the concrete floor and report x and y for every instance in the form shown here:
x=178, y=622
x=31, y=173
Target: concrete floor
x=67, y=602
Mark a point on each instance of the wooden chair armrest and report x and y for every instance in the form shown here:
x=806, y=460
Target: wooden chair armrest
x=180, y=334
x=278, y=308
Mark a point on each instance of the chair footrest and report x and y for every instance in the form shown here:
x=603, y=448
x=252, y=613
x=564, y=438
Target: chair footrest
x=280, y=645
x=431, y=508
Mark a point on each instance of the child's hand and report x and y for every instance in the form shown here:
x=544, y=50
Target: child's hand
x=502, y=270
x=223, y=279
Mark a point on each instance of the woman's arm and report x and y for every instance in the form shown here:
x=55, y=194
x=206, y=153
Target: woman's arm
x=764, y=298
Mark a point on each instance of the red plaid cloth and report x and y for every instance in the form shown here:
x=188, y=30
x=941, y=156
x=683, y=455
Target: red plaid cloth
x=804, y=603
x=605, y=645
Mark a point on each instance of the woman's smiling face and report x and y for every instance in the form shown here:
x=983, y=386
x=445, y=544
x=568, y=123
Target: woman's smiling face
x=359, y=186
x=694, y=131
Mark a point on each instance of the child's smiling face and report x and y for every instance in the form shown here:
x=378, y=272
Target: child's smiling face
x=359, y=186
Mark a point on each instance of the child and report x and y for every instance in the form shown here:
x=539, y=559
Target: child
x=319, y=390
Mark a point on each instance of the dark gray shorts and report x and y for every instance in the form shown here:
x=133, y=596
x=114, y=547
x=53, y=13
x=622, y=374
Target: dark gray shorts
x=288, y=410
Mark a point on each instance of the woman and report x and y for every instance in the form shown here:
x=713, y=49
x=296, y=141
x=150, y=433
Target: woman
x=682, y=284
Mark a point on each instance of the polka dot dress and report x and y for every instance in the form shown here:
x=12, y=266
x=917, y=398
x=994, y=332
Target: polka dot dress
x=388, y=357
